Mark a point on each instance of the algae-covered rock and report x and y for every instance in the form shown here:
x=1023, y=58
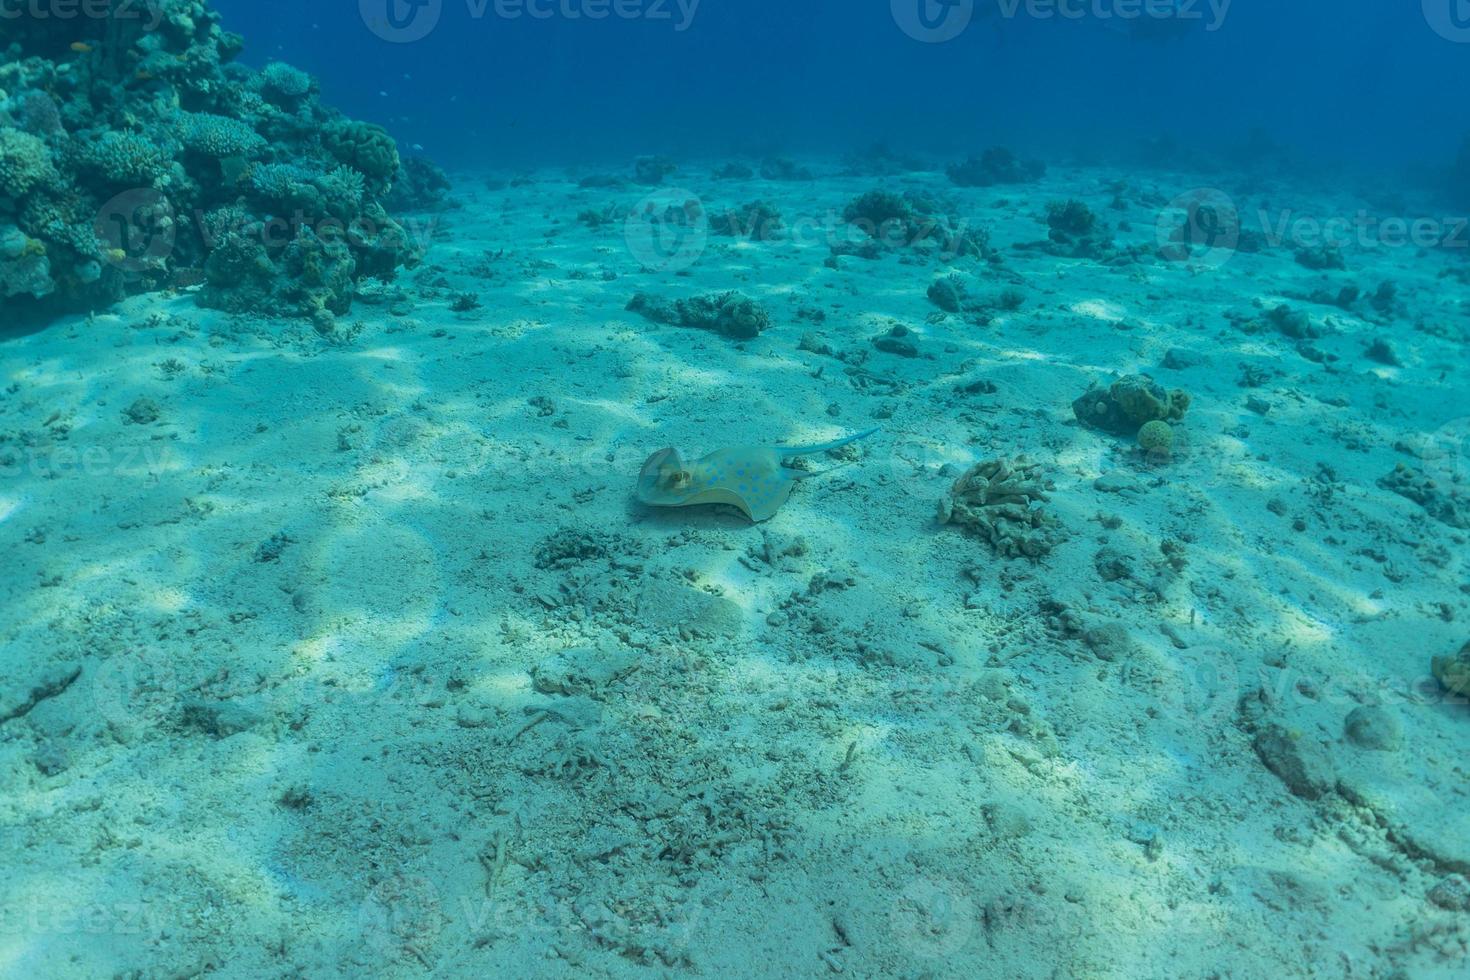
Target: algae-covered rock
x=1373, y=727
x=757, y=221
x=890, y=221
x=651, y=171
x=24, y=267
x=1297, y=760
x=732, y=314
x=996, y=165
x=1449, y=505
x=1130, y=403
x=1454, y=672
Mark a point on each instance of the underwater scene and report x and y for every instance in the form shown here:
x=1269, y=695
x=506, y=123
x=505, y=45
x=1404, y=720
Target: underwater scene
x=922, y=489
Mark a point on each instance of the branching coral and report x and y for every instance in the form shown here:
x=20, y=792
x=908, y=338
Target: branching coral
x=284, y=84
x=219, y=136
x=127, y=158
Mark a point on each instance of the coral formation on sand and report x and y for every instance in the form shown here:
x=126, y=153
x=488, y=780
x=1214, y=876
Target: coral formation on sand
x=1000, y=500
x=733, y=171
x=732, y=314
x=652, y=170
x=1447, y=505
x=891, y=221
x=1075, y=230
x=996, y=165
x=132, y=147
x=779, y=168
x=1130, y=403
x=952, y=295
x=1454, y=672
x=756, y=221
x=1321, y=258
x=1156, y=438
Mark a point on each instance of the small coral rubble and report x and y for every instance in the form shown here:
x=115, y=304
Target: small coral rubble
x=1448, y=506
x=732, y=314
x=999, y=500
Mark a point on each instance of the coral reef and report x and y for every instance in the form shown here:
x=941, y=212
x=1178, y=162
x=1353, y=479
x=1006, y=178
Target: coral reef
x=999, y=500
x=732, y=314
x=132, y=147
x=1129, y=404
x=996, y=165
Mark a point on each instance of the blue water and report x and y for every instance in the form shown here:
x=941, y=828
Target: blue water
x=1339, y=81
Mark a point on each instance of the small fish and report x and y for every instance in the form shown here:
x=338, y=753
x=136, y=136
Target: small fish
x=81, y=47
x=419, y=147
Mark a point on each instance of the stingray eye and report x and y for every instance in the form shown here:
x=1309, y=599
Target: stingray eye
x=679, y=479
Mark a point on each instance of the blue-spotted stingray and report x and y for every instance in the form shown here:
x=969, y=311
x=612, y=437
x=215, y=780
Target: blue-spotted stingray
x=751, y=479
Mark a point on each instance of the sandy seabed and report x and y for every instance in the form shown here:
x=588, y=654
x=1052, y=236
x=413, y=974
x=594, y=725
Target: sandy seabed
x=354, y=655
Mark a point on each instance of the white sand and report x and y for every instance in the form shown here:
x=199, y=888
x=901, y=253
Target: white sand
x=882, y=753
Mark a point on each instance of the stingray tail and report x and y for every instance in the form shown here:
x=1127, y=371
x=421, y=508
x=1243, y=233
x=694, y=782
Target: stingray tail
x=789, y=451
